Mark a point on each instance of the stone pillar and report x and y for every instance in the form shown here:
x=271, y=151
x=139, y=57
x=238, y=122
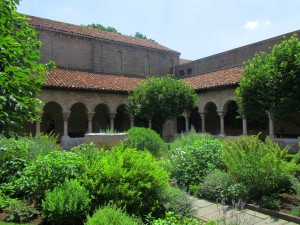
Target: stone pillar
x=203, y=115
x=271, y=125
x=150, y=124
x=245, y=127
x=37, y=127
x=66, y=115
x=186, y=116
x=112, y=121
x=90, y=122
x=131, y=117
x=222, y=115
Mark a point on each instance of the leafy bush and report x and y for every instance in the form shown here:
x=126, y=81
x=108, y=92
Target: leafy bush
x=145, y=139
x=260, y=166
x=17, y=153
x=215, y=184
x=111, y=215
x=18, y=211
x=270, y=202
x=46, y=173
x=176, y=219
x=68, y=203
x=237, y=191
x=177, y=201
x=126, y=177
x=193, y=157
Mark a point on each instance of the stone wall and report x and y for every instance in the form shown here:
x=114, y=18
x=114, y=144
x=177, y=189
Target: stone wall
x=77, y=52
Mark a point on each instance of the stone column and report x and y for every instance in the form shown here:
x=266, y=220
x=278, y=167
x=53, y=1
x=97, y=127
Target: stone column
x=112, y=121
x=131, y=117
x=90, y=121
x=66, y=115
x=150, y=124
x=271, y=125
x=222, y=115
x=186, y=116
x=203, y=115
x=245, y=127
x=37, y=127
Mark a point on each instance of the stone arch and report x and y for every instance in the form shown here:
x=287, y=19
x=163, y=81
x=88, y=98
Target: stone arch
x=100, y=120
x=78, y=121
x=232, y=123
x=52, y=118
x=195, y=120
x=122, y=119
x=212, y=119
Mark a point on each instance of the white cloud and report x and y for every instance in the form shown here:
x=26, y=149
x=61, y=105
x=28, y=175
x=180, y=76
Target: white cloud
x=253, y=25
x=69, y=8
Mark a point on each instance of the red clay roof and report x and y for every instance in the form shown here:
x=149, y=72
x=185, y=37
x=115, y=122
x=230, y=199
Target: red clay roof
x=220, y=78
x=184, y=61
x=74, y=79
x=95, y=33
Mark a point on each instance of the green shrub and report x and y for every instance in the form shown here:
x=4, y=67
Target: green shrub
x=46, y=173
x=111, y=215
x=260, y=166
x=176, y=219
x=145, y=139
x=237, y=191
x=128, y=178
x=68, y=203
x=270, y=202
x=18, y=211
x=215, y=184
x=295, y=212
x=177, y=201
x=195, y=158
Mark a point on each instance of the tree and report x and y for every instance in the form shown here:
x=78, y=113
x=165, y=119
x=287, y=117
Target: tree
x=142, y=36
x=20, y=73
x=161, y=97
x=101, y=27
x=271, y=82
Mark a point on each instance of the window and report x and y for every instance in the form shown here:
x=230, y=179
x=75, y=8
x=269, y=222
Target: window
x=147, y=65
x=181, y=72
x=189, y=71
x=119, y=61
x=171, y=67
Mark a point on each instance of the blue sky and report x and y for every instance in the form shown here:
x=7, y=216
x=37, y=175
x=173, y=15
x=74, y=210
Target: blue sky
x=196, y=28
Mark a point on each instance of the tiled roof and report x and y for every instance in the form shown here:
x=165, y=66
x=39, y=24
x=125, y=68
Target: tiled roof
x=94, y=33
x=74, y=79
x=184, y=61
x=220, y=78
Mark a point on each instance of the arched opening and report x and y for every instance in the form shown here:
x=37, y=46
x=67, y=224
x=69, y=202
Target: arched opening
x=119, y=61
x=195, y=120
x=212, y=119
x=140, y=122
x=171, y=67
x=147, y=65
x=233, y=125
x=122, y=120
x=52, y=119
x=180, y=124
x=100, y=118
x=78, y=122
x=289, y=126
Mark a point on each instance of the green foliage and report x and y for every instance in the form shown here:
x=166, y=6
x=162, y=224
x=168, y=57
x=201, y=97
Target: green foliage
x=18, y=211
x=101, y=27
x=20, y=72
x=271, y=82
x=172, y=218
x=128, y=178
x=111, y=215
x=295, y=212
x=142, y=36
x=68, y=203
x=17, y=153
x=270, y=202
x=177, y=201
x=195, y=158
x=145, y=139
x=260, y=166
x=161, y=97
x=47, y=172
x=215, y=184
x=237, y=191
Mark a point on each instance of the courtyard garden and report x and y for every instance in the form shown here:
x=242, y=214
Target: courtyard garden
x=142, y=180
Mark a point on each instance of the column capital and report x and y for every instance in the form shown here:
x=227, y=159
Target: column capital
x=186, y=114
x=221, y=113
x=270, y=115
x=203, y=114
x=90, y=116
x=66, y=115
x=112, y=115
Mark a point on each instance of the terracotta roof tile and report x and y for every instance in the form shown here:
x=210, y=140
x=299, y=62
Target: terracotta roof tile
x=184, y=61
x=74, y=79
x=95, y=33
x=220, y=78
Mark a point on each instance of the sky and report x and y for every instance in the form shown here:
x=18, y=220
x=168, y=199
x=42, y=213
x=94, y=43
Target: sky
x=195, y=28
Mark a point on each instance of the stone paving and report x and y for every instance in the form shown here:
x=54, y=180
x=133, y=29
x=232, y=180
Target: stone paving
x=206, y=210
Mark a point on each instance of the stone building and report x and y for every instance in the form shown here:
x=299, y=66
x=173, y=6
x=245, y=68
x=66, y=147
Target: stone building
x=96, y=70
